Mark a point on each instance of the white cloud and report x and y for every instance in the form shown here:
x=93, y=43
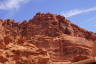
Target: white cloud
x=11, y=4
x=77, y=12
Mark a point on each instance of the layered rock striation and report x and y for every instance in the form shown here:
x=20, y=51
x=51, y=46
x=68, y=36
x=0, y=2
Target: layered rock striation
x=45, y=39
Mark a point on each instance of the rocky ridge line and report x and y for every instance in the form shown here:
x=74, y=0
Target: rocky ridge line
x=45, y=39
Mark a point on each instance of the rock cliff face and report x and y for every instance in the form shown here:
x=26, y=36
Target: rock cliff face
x=45, y=39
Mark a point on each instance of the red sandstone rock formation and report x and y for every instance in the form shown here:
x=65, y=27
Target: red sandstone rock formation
x=45, y=39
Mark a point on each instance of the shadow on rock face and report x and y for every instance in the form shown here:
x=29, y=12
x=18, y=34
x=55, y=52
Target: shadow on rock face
x=92, y=63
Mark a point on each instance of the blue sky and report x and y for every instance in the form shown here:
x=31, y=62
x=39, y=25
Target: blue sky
x=80, y=12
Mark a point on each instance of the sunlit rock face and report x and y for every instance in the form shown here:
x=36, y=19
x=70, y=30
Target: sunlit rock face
x=45, y=39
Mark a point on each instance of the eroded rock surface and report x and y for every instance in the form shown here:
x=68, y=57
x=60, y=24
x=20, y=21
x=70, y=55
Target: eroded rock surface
x=45, y=39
